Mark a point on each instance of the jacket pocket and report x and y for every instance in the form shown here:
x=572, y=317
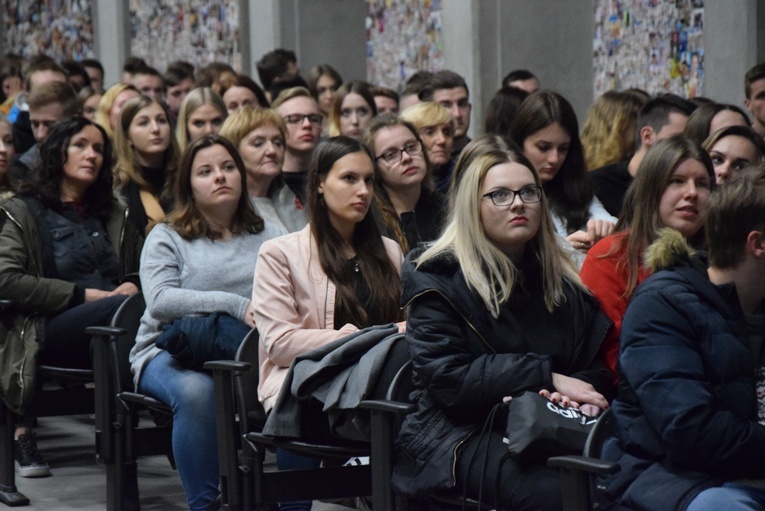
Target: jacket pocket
x=62, y=240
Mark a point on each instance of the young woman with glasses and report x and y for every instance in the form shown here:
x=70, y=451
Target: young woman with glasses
x=411, y=209
x=494, y=309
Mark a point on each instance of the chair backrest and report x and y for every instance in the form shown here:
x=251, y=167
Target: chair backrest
x=252, y=416
x=128, y=316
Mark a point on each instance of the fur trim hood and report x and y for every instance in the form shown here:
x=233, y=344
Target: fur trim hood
x=670, y=249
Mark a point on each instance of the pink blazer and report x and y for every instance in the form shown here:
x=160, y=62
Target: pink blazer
x=294, y=305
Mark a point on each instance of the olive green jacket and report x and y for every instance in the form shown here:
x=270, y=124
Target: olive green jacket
x=34, y=296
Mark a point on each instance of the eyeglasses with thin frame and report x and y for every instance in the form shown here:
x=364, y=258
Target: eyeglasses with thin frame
x=393, y=156
x=315, y=119
x=505, y=196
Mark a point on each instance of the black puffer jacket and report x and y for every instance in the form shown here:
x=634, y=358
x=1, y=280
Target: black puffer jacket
x=466, y=361
x=686, y=412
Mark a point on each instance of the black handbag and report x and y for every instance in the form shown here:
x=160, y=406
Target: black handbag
x=537, y=428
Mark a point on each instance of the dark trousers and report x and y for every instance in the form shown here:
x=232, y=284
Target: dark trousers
x=65, y=343
x=521, y=487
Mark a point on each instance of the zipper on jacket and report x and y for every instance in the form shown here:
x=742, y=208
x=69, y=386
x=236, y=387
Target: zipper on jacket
x=10, y=217
x=454, y=459
x=120, y=246
x=22, y=387
x=433, y=290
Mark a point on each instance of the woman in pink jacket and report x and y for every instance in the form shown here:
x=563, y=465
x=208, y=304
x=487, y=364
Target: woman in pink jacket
x=330, y=279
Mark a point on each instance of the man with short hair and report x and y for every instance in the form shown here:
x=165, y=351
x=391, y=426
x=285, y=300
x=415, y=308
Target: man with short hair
x=300, y=112
x=522, y=79
x=754, y=90
x=273, y=64
x=38, y=71
x=149, y=82
x=661, y=117
x=450, y=90
x=96, y=73
x=78, y=76
x=386, y=100
x=179, y=80
x=48, y=104
x=689, y=428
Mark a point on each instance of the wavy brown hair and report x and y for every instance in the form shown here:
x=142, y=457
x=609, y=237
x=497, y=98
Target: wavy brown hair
x=378, y=270
x=186, y=219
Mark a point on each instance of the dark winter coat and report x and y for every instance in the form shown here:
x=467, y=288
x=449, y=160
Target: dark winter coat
x=686, y=412
x=465, y=360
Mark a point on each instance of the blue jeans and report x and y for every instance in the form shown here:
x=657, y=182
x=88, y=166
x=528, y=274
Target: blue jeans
x=730, y=497
x=190, y=395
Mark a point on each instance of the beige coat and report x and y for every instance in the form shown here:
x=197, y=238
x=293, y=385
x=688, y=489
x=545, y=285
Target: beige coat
x=294, y=304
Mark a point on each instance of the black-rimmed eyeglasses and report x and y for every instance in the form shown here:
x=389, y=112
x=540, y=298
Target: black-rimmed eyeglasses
x=393, y=156
x=505, y=196
x=314, y=119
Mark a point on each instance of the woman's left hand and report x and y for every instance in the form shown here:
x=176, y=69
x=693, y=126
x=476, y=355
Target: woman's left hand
x=126, y=288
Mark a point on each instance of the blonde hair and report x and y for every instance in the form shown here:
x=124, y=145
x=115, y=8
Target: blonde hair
x=193, y=100
x=106, y=103
x=486, y=269
x=287, y=94
x=126, y=170
x=249, y=118
x=608, y=132
x=426, y=114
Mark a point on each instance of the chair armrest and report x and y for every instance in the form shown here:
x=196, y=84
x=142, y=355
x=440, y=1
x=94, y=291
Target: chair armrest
x=584, y=464
x=106, y=331
x=395, y=407
x=227, y=365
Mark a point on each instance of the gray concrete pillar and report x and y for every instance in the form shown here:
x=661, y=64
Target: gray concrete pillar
x=318, y=31
x=485, y=39
x=734, y=41
x=112, y=37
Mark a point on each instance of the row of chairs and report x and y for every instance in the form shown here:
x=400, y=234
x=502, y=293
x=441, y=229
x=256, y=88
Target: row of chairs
x=123, y=434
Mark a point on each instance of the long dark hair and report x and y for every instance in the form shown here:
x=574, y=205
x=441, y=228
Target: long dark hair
x=186, y=219
x=376, y=267
x=569, y=191
x=45, y=180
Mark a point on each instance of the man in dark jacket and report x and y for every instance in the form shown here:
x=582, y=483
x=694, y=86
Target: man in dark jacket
x=686, y=417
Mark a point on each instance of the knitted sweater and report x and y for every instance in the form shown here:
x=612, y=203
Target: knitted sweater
x=202, y=276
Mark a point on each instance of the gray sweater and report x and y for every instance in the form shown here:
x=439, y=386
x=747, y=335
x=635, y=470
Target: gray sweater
x=181, y=278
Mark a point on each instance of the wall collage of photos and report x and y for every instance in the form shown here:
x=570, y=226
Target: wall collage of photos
x=656, y=45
